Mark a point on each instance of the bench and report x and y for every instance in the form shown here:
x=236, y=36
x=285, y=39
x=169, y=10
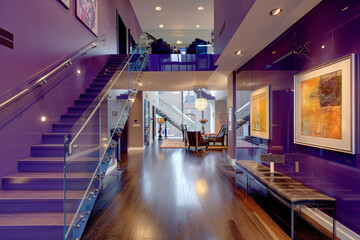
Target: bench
x=285, y=189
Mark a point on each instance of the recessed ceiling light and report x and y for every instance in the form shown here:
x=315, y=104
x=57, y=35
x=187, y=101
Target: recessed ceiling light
x=275, y=11
x=158, y=8
x=178, y=42
x=78, y=71
x=200, y=8
x=140, y=84
x=273, y=52
x=323, y=46
x=197, y=25
x=43, y=118
x=345, y=8
x=161, y=26
x=238, y=52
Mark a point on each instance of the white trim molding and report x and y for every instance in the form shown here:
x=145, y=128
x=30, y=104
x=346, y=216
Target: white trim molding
x=324, y=220
x=231, y=160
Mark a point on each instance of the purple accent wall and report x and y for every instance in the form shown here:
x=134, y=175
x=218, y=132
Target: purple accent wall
x=336, y=25
x=228, y=16
x=44, y=32
x=231, y=103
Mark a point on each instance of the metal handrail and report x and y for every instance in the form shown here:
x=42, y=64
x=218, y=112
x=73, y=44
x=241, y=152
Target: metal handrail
x=178, y=112
x=42, y=80
x=105, y=94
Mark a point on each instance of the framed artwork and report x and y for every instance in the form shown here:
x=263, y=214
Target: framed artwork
x=87, y=12
x=66, y=3
x=324, y=106
x=260, y=112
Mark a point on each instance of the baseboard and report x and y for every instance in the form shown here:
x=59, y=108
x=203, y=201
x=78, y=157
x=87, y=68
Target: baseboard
x=231, y=160
x=325, y=221
x=136, y=148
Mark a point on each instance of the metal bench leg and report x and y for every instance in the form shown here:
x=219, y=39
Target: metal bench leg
x=247, y=183
x=292, y=221
x=334, y=223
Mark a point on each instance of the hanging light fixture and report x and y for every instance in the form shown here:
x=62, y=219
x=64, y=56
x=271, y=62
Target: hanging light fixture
x=200, y=103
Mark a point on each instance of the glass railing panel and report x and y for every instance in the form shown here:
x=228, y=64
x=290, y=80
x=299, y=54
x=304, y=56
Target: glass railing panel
x=181, y=62
x=91, y=142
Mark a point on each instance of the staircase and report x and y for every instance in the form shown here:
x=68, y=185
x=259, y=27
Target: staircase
x=168, y=119
x=203, y=94
x=32, y=199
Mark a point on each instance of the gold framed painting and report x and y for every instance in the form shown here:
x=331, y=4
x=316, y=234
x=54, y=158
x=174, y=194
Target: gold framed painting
x=260, y=112
x=324, y=106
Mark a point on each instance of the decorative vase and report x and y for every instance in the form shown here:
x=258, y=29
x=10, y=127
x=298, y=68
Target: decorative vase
x=203, y=128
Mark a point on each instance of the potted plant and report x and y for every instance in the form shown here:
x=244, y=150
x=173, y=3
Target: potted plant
x=203, y=121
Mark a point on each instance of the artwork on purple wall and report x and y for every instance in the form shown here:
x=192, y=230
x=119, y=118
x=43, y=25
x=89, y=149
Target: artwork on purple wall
x=259, y=112
x=66, y=3
x=87, y=12
x=324, y=106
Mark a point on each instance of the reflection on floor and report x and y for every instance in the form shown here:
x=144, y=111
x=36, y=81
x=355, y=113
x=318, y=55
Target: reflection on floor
x=177, y=194
x=244, y=144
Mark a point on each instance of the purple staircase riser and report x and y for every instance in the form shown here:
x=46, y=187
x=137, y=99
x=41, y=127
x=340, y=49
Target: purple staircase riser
x=42, y=183
x=42, y=232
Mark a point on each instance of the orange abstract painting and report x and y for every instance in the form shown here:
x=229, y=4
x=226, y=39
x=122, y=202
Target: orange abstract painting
x=258, y=112
x=321, y=106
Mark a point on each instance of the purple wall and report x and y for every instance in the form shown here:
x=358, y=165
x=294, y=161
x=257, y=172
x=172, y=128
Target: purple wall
x=227, y=18
x=334, y=173
x=44, y=32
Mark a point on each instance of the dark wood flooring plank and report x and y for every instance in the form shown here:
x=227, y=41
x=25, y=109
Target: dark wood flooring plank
x=177, y=194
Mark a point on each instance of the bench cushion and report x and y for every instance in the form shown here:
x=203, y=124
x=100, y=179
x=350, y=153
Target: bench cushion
x=286, y=187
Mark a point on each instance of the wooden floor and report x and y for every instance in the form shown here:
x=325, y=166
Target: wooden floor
x=177, y=194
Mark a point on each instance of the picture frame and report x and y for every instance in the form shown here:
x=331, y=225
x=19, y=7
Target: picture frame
x=66, y=3
x=324, y=106
x=260, y=112
x=87, y=12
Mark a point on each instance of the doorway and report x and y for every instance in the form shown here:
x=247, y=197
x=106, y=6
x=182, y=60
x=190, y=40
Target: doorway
x=121, y=34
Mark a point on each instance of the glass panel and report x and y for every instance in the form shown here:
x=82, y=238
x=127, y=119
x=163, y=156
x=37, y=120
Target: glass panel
x=329, y=32
x=91, y=142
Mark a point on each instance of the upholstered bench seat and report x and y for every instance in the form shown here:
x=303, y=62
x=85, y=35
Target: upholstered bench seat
x=286, y=189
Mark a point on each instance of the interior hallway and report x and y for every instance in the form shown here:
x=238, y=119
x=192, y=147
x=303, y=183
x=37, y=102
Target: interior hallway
x=177, y=194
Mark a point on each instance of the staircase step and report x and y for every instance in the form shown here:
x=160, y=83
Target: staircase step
x=70, y=118
x=108, y=71
x=98, y=84
x=56, y=164
x=47, y=150
x=40, y=226
x=103, y=77
x=38, y=201
x=96, y=90
x=91, y=96
x=53, y=138
x=113, y=67
x=62, y=127
x=83, y=102
x=77, y=109
x=46, y=181
x=102, y=80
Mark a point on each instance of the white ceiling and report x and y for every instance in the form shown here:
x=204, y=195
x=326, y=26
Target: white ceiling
x=257, y=30
x=179, y=18
x=175, y=14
